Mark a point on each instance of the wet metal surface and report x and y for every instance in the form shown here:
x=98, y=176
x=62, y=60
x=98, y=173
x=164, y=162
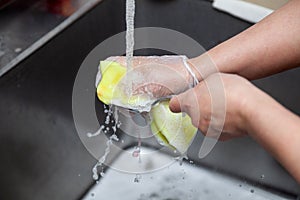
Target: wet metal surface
x=23, y=23
x=173, y=182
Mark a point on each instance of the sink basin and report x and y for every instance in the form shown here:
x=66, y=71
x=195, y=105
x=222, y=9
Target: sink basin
x=174, y=182
x=42, y=156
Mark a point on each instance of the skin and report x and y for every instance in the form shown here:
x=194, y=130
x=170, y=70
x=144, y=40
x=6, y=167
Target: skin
x=161, y=76
x=268, y=47
x=249, y=111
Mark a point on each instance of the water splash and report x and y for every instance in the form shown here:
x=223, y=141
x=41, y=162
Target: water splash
x=109, y=142
x=130, y=12
x=103, y=128
x=180, y=159
x=137, y=178
x=98, y=132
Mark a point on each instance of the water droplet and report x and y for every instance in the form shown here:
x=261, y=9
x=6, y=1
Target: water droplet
x=18, y=50
x=89, y=134
x=102, y=174
x=95, y=176
x=136, y=152
x=262, y=176
x=114, y=137
x=137, y=178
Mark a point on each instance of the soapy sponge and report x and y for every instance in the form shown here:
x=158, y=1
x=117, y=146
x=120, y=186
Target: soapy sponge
x=171, y=129
x=112, y=73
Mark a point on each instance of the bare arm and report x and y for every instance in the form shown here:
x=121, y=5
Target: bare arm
x=268, y=47
x=275, y=128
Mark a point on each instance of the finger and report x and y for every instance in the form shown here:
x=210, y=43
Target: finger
x=184, y=102
x=188, y=103
x=174, y=104
x=119, y=59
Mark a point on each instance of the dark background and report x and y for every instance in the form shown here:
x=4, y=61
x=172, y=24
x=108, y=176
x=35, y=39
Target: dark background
x=41, y=155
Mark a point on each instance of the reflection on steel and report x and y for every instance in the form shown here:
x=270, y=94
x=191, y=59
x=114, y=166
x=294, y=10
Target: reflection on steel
x=28, y=25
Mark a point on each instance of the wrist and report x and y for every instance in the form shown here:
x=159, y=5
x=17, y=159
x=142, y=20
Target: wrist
x=258, y=109
x=203, y=66
x=196, y=70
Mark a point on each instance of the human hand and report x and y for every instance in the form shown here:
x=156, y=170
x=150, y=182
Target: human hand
x=157, y=76
x=229, y=96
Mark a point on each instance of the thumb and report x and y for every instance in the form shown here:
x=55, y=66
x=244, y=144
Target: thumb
x=184, y=101
x=176, y=102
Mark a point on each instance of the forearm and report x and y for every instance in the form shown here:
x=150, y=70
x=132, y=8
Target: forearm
x=268, y=47
x=277, y=130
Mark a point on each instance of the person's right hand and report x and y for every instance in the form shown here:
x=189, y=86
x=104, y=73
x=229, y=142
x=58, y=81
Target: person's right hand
x=231, y=96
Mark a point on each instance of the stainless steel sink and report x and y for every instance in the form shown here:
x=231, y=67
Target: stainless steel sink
x=41, y=154
x=175, y=181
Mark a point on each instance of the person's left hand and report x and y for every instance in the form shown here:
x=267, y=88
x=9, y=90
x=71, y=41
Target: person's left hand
x=157, y=75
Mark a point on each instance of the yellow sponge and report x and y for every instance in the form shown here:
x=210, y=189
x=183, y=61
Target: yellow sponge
x=171, y=129
x=112, y=73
